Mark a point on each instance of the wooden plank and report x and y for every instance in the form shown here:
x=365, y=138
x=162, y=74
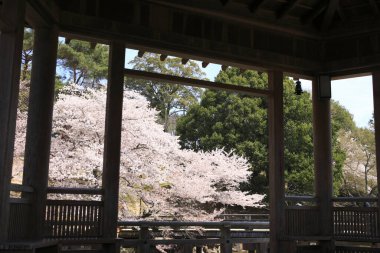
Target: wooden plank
x=276, y=159
x=13, y=13
x=39, y=125
x=112, y=138
x=21, y=188
x=195, y=82
x=64, y=190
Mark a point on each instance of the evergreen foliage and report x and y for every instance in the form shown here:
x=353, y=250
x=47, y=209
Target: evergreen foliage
x=239, y=122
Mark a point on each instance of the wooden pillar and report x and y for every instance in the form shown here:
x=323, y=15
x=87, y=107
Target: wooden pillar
x=322, y=137
x=10, y=62
x=276, y=160
x=112, y=139
x=40, y=116
x=226, y=245
x=376, y=114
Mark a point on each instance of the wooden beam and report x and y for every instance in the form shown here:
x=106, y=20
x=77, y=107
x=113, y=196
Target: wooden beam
x=214, y=51
x=329, y=15
x=195, y=82
x=39, y=127
x=237, y=16
x=376, y=114
x=112, y=138
x=276, y=160
x=323, y=157
x=309, y=17
x=341, y=13
x=254, y=5
x=374, y=7
x=283, y=11
x=13, y=12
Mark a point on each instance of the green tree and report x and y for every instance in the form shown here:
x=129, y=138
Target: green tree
x=170, y=99
x=27, y=53
x=85, y=63
x=239, y=122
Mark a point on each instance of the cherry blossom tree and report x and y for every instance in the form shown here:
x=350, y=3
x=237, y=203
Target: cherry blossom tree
x=157, y=178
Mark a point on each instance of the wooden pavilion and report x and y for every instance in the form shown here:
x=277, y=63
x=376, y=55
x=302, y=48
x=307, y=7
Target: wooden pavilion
x=319, y=40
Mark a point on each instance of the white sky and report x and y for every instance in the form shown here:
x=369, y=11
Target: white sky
x=355, y=94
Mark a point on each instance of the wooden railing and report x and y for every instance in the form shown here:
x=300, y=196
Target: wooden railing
x=19, y=212
x=146, y=235
x=73, y=219
x=240, y=217
x=341, y=249
x=301, y=221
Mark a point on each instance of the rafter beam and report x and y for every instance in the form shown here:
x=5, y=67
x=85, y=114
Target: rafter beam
x=138, y=74
x=329, y=15
x=204, y=8
x=314, y=13
x=254, y=5
x=374, y=7
x=341, y=13
x=285, y=9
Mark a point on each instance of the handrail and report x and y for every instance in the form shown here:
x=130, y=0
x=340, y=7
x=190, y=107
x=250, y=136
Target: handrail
x=300, y=198
x=354, y=199
x=209, y=224
x=21, y=188
x=63, y=190
x=242, y=214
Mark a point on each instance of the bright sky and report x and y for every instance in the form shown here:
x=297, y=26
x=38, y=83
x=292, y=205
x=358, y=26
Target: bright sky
x=355, y=94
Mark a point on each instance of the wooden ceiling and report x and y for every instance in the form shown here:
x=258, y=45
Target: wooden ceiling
x=300, y=36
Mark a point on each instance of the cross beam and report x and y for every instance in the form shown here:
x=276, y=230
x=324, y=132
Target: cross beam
x=195, y=82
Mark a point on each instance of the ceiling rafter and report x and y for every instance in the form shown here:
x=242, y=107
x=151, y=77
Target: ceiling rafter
x=254, y=5
x=374, y=7
x=342, y=13
x=329, y=14
x=286, y=8
x=309, y=17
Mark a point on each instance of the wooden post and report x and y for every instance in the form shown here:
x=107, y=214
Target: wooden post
x=112, y=139
x=144, y=246
x=226, y=246
x=10, y=62
x=376, y=114
x=323, y=158
x=276, y=160
x=40, y=116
